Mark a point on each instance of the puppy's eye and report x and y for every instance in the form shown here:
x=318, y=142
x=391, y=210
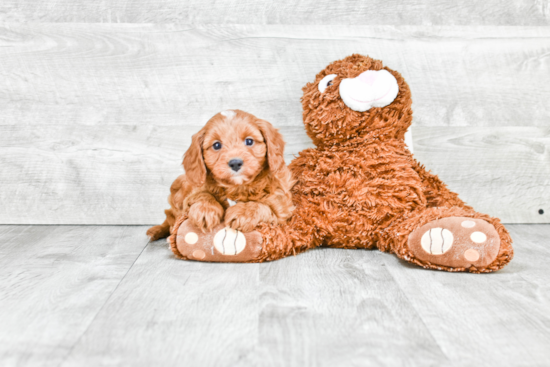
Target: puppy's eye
x=217, y=145
x=249, y=142
x=325, y=82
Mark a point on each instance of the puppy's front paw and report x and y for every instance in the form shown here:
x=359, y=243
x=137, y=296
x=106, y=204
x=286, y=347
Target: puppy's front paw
x=205, y=215
x=246, y=216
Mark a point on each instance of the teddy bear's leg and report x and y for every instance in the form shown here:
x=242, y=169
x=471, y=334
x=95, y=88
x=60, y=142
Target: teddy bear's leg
x=451, y=239
x=266, y=243
x=436, y=191
x=222, y=244
x=297, y=235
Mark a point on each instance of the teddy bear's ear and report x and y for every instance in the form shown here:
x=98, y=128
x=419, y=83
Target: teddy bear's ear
x=275, y=145
x=193, y=161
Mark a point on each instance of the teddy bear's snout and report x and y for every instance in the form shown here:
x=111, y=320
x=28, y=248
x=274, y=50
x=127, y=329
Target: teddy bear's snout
x=370, y=89
x=368, y=77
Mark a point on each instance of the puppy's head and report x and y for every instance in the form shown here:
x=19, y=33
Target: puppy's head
x=234, y=147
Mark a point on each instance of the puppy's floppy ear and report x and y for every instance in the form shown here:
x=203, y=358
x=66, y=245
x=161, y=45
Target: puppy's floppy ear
x=275, y=145
x=193, y=161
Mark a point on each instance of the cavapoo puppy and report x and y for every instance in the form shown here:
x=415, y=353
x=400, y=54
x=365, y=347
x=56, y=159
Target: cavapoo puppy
x=234, y=172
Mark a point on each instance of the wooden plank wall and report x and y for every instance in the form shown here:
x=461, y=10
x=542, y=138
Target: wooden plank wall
x=97, y=106
x=352, y=12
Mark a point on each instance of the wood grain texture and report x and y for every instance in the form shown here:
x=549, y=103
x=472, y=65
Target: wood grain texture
x=122, y=174
x=95, y=117
x=323, y=308
x=501, y=171
x=77, y=296
x=96, y=74
x=53, y=282
x=170, y=312
x=414, y=12
x=333, y=307
x=90, y=175
x=499, y=319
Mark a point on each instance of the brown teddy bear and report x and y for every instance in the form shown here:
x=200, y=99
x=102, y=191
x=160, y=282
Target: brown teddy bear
x=361, y=188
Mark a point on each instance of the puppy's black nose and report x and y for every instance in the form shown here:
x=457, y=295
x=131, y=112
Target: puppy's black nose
x=236, y=164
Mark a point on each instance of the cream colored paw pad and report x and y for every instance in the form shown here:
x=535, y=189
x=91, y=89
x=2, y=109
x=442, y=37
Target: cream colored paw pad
x=468, y=224
x=478, y=237
x=199, y=254
x=191, y=238
x=437, y=241
x=229, y=241
x=471, y=255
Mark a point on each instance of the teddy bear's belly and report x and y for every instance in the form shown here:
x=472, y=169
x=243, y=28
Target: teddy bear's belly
x=355, y=193
x=352, y=210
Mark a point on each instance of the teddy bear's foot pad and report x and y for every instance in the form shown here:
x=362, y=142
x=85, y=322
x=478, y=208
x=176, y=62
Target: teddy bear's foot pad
x=223, y=244
x=456, y=242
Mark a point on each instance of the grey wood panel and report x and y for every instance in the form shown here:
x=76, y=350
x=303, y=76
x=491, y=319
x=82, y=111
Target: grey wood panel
x=323, y=308
x=333, y=307
x=53, y=282
x=170, y=312
x=121, y=174
x=500, y=319
x=415, y=12
x=109, y=74
x=501, y=171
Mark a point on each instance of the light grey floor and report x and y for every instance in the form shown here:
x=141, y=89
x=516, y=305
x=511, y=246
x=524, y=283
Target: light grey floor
x=104, y=296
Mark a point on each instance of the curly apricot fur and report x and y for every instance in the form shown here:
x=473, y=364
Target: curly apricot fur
x=360, y=187
x=262, y=186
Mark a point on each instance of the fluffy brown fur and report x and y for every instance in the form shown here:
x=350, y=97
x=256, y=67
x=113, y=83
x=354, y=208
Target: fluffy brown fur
x=360, y=187
x=261, y=186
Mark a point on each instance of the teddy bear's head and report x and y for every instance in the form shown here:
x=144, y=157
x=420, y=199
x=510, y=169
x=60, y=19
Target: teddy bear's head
x=354, y=100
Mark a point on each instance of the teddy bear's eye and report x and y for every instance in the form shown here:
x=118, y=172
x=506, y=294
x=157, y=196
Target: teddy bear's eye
x=326, y=81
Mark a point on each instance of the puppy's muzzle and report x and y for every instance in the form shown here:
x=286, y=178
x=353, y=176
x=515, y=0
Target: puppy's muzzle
x=236, y=164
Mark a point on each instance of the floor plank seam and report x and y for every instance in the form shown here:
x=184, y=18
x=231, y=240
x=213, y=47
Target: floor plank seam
x=102, y=306
x=388, y=267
